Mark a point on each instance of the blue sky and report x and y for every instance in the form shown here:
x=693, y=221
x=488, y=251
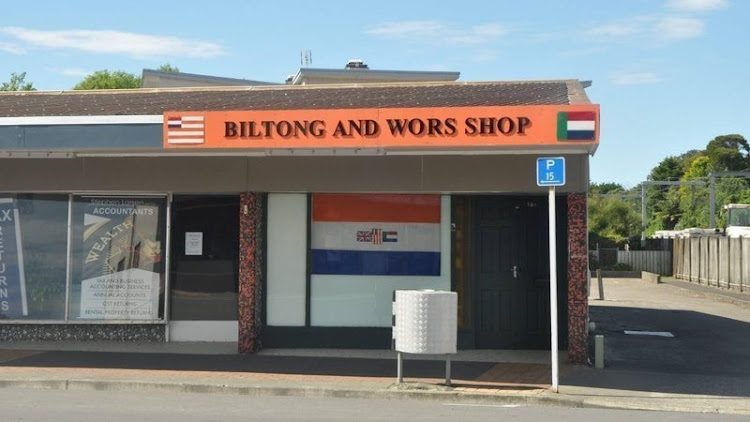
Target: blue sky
x=669, y=74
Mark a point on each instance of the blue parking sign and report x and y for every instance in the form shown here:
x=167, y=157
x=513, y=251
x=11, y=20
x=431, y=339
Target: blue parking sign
x=550, y=171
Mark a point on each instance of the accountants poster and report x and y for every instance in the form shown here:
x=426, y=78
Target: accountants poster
x=122, y=256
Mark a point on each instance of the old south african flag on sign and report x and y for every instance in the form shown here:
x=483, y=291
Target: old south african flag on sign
x=185, y=129
x=576, y=126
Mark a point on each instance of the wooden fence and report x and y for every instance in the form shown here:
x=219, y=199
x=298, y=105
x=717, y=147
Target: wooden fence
x=659, y=262
x=714, y=261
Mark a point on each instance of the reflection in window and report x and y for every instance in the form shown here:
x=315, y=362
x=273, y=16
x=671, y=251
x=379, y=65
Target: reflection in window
x=117, y=258
x=204, y=281
x=33, y=252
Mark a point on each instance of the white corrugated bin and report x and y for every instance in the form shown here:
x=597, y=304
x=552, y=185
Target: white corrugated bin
x=425, y=322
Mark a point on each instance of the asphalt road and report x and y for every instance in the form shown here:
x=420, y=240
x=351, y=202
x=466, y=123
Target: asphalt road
x=708, y=355
x=113, y=406
x=711, y=337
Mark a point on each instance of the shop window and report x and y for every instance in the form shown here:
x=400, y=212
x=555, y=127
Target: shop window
x=118, y=256
x=33, y=252
x=376, y=234
x=365, y=246
x=204, y=282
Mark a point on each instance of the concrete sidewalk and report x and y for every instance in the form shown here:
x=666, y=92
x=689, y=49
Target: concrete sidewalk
x=704, y=368
x=366, y=374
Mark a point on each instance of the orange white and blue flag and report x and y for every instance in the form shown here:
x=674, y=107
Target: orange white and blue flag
x=361, y=234
x=182, y=129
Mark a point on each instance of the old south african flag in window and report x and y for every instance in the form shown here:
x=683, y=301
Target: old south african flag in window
x=576, y=126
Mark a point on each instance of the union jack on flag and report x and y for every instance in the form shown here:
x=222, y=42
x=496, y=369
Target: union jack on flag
x=364, y=236
x=185, y=130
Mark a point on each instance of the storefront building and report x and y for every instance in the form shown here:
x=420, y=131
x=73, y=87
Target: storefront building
x=286, y=216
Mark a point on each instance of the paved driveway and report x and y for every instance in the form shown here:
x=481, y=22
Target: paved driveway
x=709, y=353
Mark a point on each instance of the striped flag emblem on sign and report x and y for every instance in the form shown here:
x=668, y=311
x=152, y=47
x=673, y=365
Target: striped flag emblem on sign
x=185, y=130
x=576, y=126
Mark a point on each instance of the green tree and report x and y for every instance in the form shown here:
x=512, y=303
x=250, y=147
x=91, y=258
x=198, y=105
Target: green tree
x=729, y=152
x=166, y=67
x=693, y=199
x=17, y=82
x=605, y=188
x=662, y=209
x=677, y=207
x=612, y=221
x=104, y=79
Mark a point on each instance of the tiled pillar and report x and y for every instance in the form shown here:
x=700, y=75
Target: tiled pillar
x=578, y=308
x=251, y=272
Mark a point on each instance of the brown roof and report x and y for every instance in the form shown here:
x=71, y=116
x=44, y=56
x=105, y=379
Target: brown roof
x=156, y=101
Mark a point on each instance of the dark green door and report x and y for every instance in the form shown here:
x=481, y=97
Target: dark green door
x=511, y=276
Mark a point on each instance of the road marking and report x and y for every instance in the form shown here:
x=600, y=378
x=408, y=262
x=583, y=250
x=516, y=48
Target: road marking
x=482, y=405
x=650, y=333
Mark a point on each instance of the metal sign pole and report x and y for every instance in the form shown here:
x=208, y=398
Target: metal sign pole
x=550, y=172
x=553, y=287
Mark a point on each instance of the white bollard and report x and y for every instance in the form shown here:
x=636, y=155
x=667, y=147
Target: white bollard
x=599, y=351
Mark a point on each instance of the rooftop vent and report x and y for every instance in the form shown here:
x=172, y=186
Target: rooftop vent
x=356, y=64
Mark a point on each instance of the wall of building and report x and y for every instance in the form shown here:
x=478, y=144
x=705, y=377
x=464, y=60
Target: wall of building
x=82, y=332
x=434, y=173
x=287, y=260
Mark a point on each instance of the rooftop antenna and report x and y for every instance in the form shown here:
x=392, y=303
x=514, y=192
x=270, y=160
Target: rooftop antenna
x=305, y=58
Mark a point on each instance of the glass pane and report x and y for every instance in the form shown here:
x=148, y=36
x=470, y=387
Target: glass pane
x=33, y=252
x=365, y=246
x=118, y=258
x=204, y=281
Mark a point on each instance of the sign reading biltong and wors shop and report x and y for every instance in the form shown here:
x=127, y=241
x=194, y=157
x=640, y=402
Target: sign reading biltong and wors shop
x=121, y=256
x=384, y=128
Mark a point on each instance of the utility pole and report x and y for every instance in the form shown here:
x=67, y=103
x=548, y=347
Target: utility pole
x=660, y=183
x=712, y=190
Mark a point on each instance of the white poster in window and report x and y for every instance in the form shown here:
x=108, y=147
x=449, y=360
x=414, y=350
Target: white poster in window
x=193, y=243
x=122, y=257
x=129, y=294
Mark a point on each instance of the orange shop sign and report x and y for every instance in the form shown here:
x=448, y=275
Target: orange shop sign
x=386, y=128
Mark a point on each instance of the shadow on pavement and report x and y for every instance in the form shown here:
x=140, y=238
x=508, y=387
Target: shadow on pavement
x=257, y=364
x=709, y=355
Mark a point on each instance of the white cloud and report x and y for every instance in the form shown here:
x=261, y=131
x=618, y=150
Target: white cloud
x=619, y=29
x=115, y=42
x=635, y=78
x=11, y=48
x=676, y=29
x=439, y=32
x=697, y=5
x=649, y=29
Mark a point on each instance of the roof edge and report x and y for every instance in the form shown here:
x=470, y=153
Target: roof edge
x=185, y=75
x=574, y=83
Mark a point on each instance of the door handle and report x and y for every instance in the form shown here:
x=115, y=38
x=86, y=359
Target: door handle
x=515, y=271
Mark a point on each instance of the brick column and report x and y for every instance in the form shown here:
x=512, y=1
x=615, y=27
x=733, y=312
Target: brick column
x=578, y=305
x=250, y=305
